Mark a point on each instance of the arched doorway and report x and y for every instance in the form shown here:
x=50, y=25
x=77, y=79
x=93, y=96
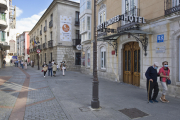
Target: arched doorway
x=131, y=63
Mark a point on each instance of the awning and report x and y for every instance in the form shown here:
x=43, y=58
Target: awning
x=6, y=47
x=138, y=32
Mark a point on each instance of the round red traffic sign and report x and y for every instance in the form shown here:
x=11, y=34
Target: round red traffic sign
x=38, y=51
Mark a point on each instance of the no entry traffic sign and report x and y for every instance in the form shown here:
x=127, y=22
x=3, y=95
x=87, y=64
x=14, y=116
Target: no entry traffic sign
x=38, y=51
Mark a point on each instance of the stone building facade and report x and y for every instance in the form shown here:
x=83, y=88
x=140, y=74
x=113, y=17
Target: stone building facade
x=132, y=35
x=56, y=35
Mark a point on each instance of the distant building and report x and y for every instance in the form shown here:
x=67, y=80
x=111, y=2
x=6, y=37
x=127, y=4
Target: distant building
x=23, y=44
x=57, y=33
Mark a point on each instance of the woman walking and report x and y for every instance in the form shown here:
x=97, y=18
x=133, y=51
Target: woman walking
x=54, y=69
x=45, y=68
x=25, y=67
x=50, y=68
x=22, y=64
x=63, y=67
x=164, y=76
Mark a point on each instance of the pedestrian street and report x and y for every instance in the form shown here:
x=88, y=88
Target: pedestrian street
x=27, y=95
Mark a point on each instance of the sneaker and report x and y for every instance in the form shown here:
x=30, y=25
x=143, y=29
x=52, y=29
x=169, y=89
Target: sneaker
x=155, y=101
x=162, y=100
x=150, y=101
x=44, y=76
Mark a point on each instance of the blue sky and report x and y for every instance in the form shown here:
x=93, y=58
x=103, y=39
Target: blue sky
x=29, y=12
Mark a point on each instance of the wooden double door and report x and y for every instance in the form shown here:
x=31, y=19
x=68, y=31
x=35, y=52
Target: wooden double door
x=131, y=63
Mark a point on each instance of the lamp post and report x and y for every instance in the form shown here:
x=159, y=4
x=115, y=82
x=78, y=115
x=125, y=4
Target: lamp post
x=95, y=83
x=38, y=55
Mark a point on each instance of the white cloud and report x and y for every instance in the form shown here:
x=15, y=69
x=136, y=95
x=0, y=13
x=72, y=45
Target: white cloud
x=18, y=12
x=26, y=24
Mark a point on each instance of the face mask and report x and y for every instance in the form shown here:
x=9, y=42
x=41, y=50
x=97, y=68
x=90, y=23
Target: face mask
x=155, y=67
x=165, y=65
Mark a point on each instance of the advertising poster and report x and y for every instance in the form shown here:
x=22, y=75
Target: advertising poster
x=65, y=28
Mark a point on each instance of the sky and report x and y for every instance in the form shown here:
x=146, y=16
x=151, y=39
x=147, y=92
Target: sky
x=28, y=12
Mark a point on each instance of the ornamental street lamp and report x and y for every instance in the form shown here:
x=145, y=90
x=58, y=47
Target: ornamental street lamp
x=95, y=86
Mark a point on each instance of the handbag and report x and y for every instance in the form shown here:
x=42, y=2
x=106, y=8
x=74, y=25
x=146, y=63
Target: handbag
x=168, y=81
x=42, y=71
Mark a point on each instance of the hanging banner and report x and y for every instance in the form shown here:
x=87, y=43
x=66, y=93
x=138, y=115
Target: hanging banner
x=65, y=28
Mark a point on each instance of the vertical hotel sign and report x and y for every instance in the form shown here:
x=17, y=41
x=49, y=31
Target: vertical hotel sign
x=65, y=28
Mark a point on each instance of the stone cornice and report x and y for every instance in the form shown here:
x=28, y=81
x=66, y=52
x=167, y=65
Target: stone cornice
x=51, y=6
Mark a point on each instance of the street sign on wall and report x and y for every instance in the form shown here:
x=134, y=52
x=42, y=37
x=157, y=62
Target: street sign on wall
x=160, y=38
x=160, y=49
x=38, y=51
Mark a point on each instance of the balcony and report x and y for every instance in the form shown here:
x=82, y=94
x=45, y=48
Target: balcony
x=40, y=32
x=76, y=42
x=3, y=4
x=44, y=46
x=133, y=12
x=50, y=43
x=51, y=24
x=35, y=48
x=76, y=22
x=45, y=28
x=39, y=47
x=171, y=7
x=3, y=23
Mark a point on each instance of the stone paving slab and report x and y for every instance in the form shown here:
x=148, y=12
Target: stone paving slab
x=39, y=84
x=5, y=113
x=39, y=95
x=49, y=110
x=11, y=86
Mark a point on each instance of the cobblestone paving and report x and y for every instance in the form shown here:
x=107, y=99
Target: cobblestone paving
x=35, y=85
x=8, y=98
x=5, y=113
x=49, y=110
x=39, y=95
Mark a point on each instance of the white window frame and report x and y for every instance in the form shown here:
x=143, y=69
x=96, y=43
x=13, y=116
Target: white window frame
x=102, y=15
x=88, y=58
x=175, y=3
x=103, y=57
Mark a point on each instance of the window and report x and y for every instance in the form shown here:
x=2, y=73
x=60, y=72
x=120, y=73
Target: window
x=88, y=58
x=88, y=4
x=45, y=57
x=51, y=56
x=78, y=59
x=51, y=16
x=45, y=38
x=3, y=35
x=103, y=57
x=102, y=14
x=77, y=16
x=51, y=35
x=101, y=18
x=83, y=22
x=89, y=35
x=82, y=5
x=78, y=35
x=45, y=22
x=88, y=23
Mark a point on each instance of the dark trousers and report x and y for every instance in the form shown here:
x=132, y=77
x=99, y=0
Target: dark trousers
x=49, y=71
x=45, y=73
x=153, y=85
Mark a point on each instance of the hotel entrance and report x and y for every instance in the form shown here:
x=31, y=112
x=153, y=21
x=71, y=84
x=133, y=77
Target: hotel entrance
x=131, y=63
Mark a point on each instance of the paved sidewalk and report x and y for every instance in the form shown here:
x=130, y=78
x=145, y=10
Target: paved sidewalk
x=68, y=98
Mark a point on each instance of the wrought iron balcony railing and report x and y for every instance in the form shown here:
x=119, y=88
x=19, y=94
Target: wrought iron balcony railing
x=76, y=42
x=45, y=28
x=171, y=6
x=50, y=43
x=51, y=24
x=76, y=21
x=44, y=46
x=133, y=12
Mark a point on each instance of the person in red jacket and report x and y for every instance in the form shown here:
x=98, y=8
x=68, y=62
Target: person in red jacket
x=164, y=75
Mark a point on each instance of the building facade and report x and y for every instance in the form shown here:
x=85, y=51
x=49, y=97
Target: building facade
x=132, y=35
x=56, y=34
x=23, y=45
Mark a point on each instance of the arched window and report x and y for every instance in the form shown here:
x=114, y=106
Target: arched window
x=103, y=57
x=102, y=14
x=88, y=58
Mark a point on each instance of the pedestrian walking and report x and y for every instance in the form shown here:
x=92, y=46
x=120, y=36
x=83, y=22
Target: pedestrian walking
x=151, y=75
x=63, y=67
x=33, y=63
x=22, y=64
x=11, y=61
x=25, y=65
x=57, y=67
x=45, y=68
x=53, y=62
x=16, y=63
x=54, y=69
x=50, y=68
x=164, y=76
x=4, y=63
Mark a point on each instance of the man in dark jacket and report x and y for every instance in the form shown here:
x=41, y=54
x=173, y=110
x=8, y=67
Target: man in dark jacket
x=151, y=75
x=50, y=68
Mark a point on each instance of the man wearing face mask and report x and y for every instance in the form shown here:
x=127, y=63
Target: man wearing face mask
x=164, y=75
x=151, y=75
